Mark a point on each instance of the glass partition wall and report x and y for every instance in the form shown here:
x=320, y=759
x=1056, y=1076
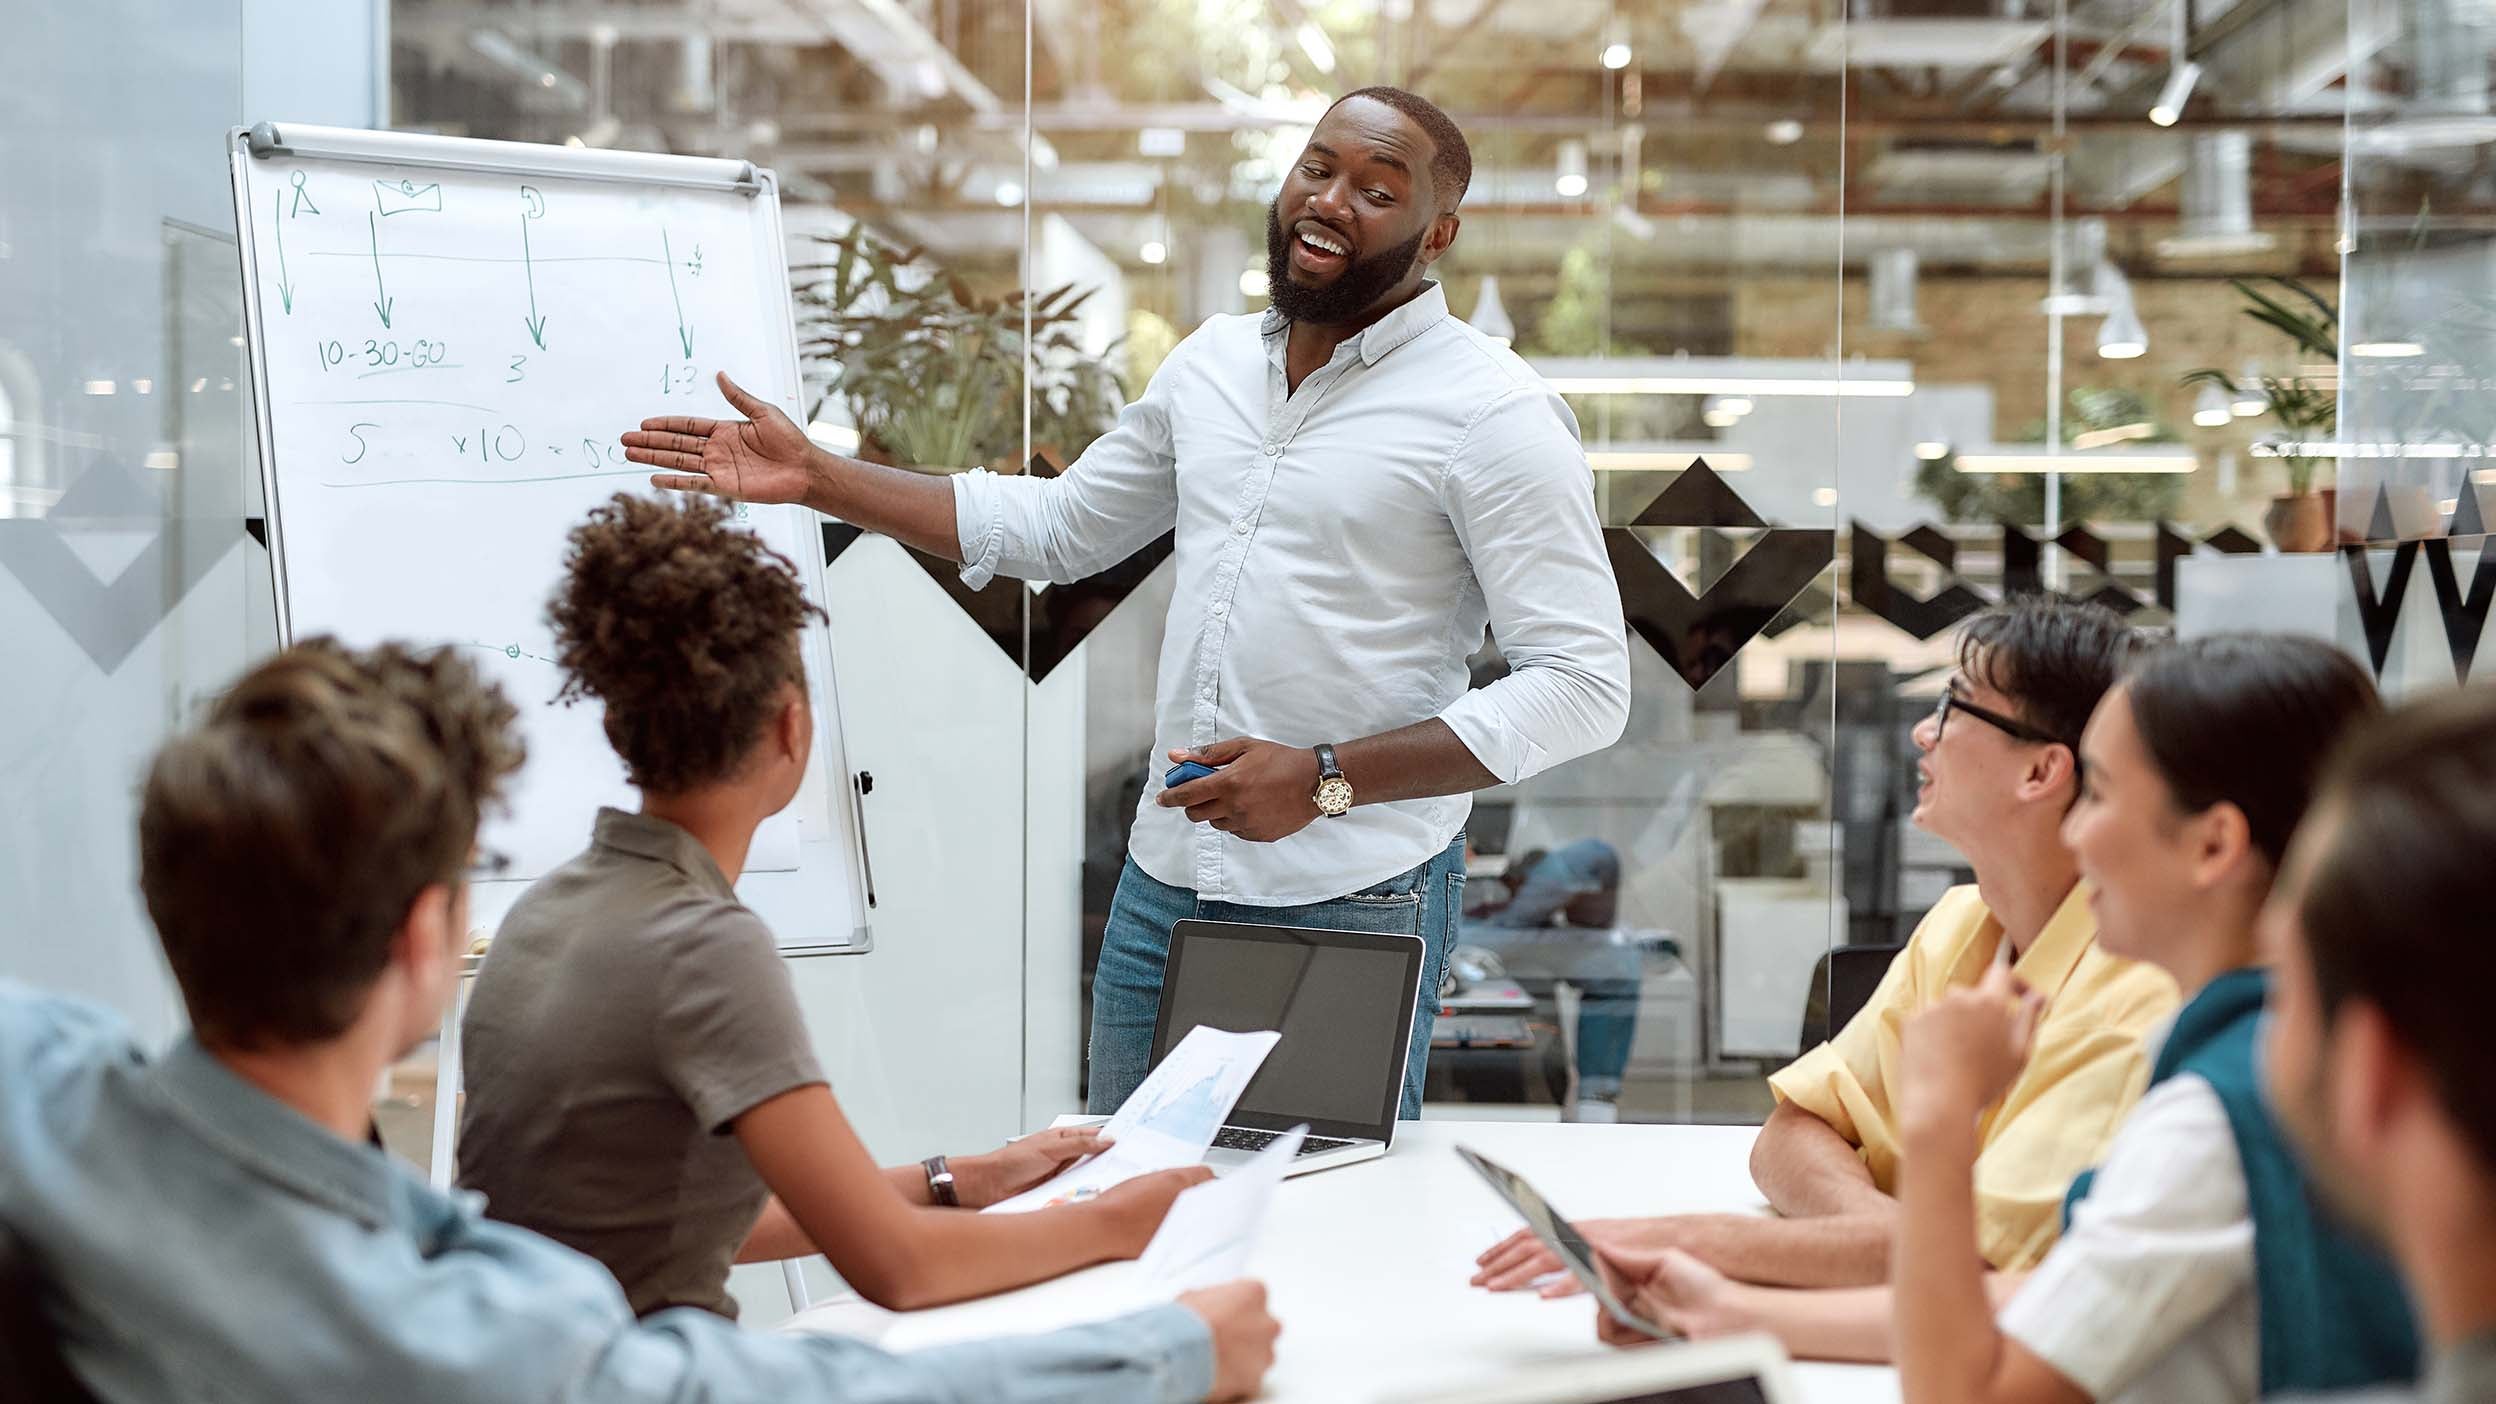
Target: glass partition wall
x=1869, y=315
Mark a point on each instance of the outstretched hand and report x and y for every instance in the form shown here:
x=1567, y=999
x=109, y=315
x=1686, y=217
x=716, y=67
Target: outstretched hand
x=764, y=457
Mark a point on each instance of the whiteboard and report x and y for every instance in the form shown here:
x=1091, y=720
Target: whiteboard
x=446, y=338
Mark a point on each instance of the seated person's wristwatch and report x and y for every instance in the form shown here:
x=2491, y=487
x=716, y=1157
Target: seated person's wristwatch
x=1334, y=793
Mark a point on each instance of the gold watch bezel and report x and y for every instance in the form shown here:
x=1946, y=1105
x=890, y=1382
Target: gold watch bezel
x=1337, y=788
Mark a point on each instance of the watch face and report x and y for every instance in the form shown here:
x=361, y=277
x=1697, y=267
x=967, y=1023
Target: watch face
x=1334, y=796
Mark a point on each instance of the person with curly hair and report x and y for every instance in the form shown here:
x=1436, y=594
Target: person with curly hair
x=213, y=1221
x=641, y=1085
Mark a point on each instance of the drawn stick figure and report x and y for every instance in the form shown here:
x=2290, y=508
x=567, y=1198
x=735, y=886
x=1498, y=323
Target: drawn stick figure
x=302, y=198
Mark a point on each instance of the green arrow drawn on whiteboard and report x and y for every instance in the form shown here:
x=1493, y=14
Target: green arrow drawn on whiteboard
x=285, y=289
x=537, y=324
x=382, y=300
x=684, y=334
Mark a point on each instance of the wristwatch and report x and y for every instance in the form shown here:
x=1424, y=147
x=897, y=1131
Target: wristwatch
x=1334, y=793
x=940, y=1182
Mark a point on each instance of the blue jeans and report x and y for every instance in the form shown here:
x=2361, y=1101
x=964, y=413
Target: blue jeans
x=1126, y=986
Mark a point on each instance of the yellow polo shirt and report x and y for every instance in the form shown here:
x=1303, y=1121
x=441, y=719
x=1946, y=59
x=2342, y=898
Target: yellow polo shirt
x=2087, y=1069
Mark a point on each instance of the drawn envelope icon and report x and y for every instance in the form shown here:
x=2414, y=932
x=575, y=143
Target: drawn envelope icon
x=401, y=196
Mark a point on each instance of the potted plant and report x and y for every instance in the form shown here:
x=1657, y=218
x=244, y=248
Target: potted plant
x=933, y=374
x=2302, y=518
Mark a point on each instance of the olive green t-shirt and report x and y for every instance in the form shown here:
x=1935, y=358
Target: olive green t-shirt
x=627, y=1012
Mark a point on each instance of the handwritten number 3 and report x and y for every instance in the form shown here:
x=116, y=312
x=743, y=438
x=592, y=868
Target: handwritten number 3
x=516, y=372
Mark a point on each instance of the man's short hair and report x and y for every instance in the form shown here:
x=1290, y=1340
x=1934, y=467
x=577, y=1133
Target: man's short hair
x=2395, y=911
x=283, y=839
x=2052, y=658
x=1451, y=168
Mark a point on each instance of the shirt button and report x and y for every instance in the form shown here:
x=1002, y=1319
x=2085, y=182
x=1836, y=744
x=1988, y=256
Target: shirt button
x=1241, y=527
x=1221, y=608
x=1273, y=449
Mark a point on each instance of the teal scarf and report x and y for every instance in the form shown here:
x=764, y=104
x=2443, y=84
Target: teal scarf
x=2333, y=1313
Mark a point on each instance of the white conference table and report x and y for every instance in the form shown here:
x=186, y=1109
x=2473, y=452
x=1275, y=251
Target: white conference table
x=1366, y=1266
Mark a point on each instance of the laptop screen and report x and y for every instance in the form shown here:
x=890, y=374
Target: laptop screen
x=1341, y=1000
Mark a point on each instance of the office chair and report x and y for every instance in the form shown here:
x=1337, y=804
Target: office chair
x=1841, y=984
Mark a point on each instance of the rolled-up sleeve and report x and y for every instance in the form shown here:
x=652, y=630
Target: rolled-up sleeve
x=1119, y=495
x=1522, y=500
x=1161, y=1356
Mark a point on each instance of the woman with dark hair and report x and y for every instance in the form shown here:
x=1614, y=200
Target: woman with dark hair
x=641, y=1086
x=2193, y=1264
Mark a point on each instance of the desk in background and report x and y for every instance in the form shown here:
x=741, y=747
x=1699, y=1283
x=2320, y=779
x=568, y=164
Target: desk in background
x=1367, y=1265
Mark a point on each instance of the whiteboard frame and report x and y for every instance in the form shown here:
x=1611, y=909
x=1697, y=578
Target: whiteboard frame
x=269, y=140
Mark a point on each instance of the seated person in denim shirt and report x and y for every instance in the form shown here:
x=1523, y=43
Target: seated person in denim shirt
x=1579, y=883
x=213, y=1224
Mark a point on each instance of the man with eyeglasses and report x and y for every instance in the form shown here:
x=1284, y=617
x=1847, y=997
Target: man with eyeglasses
x=1998, y=765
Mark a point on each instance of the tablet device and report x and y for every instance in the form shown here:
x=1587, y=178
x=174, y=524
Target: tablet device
x=1561, y=1237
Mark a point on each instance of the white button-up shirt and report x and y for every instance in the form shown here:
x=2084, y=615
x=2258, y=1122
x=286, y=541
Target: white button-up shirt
x=1339, y=550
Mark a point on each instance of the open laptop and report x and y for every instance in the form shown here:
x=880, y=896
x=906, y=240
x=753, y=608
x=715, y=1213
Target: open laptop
x=1731, y=1370
x=1343, y=1002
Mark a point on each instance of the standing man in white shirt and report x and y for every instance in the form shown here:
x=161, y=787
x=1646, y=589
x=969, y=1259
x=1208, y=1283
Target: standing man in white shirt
x=1359, y=483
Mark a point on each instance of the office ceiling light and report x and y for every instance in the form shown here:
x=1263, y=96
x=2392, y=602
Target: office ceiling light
x=2387, y=350
x=2169, y=108
x=1616, y=54
x=2212, y=410
x=1161, y=141
x=1784, y=131
x=2121, y=336
x=2007, y=459
x=1570, y=180
x=1154, y=252
x=1714, y=414
x=2183, y=73
x=1252, y=282
x=1753, y=376
x=2248, y=401
x=1710, y=385
x=1009, y=193
x=1735, y=405
x=1490, y=315
x=1932, y=450
x=1627, y=458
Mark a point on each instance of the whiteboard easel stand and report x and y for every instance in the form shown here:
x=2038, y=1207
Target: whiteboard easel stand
x=266, y=141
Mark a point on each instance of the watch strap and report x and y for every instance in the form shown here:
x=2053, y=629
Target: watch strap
x=940, y=1182
x=1326, y=767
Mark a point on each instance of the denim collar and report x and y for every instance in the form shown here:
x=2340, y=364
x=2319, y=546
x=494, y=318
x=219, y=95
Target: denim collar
x=272, y=1139
x=1387, y=333
x=662, y=842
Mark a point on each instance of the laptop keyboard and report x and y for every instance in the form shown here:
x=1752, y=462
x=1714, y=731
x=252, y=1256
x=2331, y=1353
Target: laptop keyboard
x=1240, y=1138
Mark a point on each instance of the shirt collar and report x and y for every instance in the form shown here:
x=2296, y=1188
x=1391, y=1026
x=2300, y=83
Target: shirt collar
x=1374, y=341
x=2068, y=935
x=272, y=1139
x=646, y=837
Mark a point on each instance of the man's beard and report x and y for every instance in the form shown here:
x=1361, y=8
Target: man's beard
x=1361, y=283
